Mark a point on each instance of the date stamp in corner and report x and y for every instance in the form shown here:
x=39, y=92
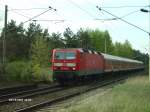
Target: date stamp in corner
x=20, y=100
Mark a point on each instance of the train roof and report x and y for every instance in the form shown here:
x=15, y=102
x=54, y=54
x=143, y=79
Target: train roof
x=111, y=57
x=106, y=56
x=67, y=49
x=79, y=49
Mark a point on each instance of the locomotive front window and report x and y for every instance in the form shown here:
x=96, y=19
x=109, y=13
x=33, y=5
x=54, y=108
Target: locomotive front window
x=60, y=55
x=65, y=55
x=70, y=55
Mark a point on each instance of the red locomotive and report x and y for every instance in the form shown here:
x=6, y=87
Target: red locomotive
x=76, y=63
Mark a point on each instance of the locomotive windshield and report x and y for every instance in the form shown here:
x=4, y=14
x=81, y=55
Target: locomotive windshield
x=65, y=55
x=59, y=55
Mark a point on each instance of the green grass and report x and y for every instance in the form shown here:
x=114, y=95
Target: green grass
x=132, y=96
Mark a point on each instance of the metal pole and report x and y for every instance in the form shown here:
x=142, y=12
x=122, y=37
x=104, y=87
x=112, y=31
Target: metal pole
x=105, y=46
x=4, y=38
x=149, y=42
x=148, y=11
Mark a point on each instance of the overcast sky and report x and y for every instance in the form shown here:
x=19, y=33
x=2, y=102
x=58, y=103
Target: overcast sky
x=83, y=13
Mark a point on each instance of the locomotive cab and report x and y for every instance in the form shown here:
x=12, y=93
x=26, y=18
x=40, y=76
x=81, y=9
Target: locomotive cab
x=65, y=60
x=64, y=64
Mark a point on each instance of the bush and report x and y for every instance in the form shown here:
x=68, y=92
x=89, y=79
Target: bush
x=1, y=68
x=27, y=72
x=41, y=74
x=18, y=70
x=36, y=71
x=46, y=74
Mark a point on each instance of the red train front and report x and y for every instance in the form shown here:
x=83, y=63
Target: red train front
x=72, y=64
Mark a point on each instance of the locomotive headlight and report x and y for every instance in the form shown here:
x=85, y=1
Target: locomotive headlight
x=71, y=64
x=73, y=68
x=58, y=64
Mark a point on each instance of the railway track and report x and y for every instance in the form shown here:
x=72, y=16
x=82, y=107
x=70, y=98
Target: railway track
x=70, y=94
x=12, y=97
x=8, y=90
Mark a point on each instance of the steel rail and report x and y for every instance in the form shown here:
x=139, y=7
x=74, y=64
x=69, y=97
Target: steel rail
x=7, y=90
x=32, y=94
x=25, y=92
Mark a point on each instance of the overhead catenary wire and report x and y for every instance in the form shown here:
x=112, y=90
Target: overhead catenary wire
x=135, y=11
x=118, y=18
x=99, y=8
x=46, y=20
x=49, y=20
x=78, y=6
x=21, y=14
x=27, y=9
x=32, y=18
x=52, y=20
x=121, y=35
x=39, y=14
x=115, y=31
x=110, y=19
x=62, y=18
x=126, y=6
x=130, y=13
x=122, y=6
x=59, y=20
x=10, y=10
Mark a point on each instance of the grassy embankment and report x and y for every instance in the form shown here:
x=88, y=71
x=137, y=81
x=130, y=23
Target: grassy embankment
x=132, y=96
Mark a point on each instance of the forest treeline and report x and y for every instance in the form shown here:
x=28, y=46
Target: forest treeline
x=35, y=44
